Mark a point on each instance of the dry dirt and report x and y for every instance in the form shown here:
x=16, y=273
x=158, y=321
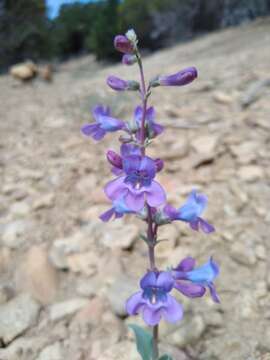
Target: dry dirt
x=65, y=275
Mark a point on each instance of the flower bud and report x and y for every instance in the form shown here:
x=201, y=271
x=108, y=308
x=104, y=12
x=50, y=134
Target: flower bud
x=161, y=219
x=159, y=164
x=133, y=85
x=116, y=83
x=131, y=36
x=181, y=78
x=114, y=159
x=121, y=85
x=123, y=44
x=129, y=59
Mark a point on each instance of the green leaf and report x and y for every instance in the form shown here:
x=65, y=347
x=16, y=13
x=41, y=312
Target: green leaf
x=165, y=357
x=144, y=342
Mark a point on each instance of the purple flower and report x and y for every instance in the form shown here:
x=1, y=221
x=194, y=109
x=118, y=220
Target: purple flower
x=190, y=212
x=129, y=59
x=159, y=164
x=193, y=282
x=137, y=186
x=181, y=78
x=118, y=209
x=154, y=301
x=153, y=128
x=104, y=123
x=114, y=159
x=117, y=84
x=121, y=85
x=117, y=160
x=123, y=44
x=140, y=170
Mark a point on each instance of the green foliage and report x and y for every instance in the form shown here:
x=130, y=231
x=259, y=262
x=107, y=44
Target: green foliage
x=23, y=31
x=165, y=357
x=27, y=33
x=105, y=28
x=144, y=342
x=73, y=27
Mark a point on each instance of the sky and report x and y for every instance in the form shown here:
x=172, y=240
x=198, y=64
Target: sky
x=54, y=5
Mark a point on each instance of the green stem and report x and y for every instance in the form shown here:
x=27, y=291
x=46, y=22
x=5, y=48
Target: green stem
x=152, y=228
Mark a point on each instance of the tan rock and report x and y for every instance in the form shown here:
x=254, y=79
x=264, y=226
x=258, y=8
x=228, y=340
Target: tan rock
x=37, y=276
x=124, y=350
x=222, y=98
x=24, y=71
x=46, y=72
x=205, y=144
x=250, y=173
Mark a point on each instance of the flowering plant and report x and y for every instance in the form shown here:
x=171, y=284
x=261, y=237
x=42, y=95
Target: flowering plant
x=135, y=191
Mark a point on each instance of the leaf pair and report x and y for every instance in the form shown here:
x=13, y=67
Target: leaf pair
x=144, y=342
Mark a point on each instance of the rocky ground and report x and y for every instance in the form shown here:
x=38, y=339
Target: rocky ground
x=65, y=275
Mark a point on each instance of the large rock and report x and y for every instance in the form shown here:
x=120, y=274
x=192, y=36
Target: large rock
x=124, y=350
x=51, y=352
x=24, y=71
x=119, y=292
x=119, y=235
x=37, y=276
x=17, y=316
x=188, y=333
x=67, y=308
x=15, y=233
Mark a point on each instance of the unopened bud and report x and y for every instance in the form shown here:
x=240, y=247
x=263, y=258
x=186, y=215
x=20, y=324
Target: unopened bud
x=159, y=164
x=123, y=44
x=114, y=159
x=129, y=59
x=133, y=85
x=117, y=84
x=181, y=78
x=131, y=36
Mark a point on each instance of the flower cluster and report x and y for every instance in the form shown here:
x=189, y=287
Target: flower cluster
x=135, y=190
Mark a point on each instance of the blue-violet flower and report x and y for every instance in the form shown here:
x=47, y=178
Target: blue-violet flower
x=154, y=301
x=190, y=212
x=192, y=282
x=104, y=123
x=181, y=78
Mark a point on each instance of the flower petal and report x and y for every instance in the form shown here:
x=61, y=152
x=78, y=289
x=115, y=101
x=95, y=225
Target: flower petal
x=100, y=110
x=193, y=207
x=165, y=281
x=138, y=114
x=99, y=134
x=186, y=264
x=204, y=274
x=134, y=200
x=205, y=226
x=115, y=188
x=89, y=129
x=170, y=211
x=134, y=302
x=107, y=215
x=129, y=149
x=155, y=194
x=213, y=292
x=151, y=316
x=150, y=114
x=173, y=310
x=149, y=280
x=190, y=290
x=110, y=124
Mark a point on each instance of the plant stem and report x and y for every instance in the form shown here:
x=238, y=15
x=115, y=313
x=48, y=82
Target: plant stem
x=155, y=342
x=152, y=228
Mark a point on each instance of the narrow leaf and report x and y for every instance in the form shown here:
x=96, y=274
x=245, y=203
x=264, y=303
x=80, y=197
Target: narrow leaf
x=143, y=341
x=165, y=357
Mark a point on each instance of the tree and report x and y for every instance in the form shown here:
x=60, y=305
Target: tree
x=105, y=27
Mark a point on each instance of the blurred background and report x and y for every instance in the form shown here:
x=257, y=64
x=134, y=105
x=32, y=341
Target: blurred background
x=64, y=275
